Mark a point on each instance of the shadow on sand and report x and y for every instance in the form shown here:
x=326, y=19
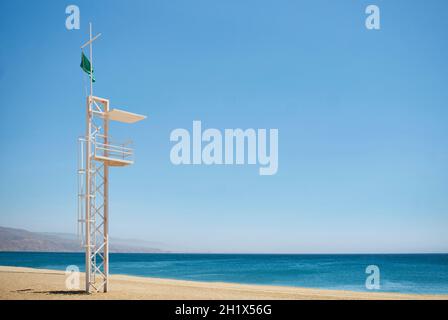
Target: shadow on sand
x=58, y=292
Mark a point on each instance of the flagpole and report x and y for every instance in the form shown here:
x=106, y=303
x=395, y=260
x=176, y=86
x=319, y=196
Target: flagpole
x=91, y=61
x=88, y=191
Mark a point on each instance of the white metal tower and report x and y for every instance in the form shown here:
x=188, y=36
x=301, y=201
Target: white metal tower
x=98, y=153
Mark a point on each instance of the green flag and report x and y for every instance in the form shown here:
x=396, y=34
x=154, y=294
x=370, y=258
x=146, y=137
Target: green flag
x=85, y=65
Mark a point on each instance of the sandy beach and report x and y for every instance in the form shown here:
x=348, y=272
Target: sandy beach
x=27, y=283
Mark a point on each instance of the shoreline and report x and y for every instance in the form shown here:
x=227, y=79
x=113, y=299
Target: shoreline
x=18, y=283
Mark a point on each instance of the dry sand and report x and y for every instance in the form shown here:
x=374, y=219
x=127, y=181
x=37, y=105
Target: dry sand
x=27, y=283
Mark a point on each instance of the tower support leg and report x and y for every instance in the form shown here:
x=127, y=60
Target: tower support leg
x=106, y=205
x=88, y=197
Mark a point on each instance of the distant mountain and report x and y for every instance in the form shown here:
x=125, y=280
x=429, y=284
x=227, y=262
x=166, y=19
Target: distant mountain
x=23, y=240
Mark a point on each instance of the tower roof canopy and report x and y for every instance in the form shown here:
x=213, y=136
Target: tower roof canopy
x=124, y=116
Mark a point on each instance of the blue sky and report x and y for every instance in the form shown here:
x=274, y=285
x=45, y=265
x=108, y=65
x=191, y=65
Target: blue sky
x=362, y=119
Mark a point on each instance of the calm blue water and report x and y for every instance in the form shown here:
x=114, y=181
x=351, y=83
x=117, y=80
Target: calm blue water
x=423, y=273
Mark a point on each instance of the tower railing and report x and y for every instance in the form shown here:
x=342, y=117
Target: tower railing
x=105, y=148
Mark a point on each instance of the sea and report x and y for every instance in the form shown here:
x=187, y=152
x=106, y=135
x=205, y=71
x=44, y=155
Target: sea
x=403, y=273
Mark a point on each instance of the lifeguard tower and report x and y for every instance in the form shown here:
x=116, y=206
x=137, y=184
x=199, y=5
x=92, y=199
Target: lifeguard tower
x=98, y=152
